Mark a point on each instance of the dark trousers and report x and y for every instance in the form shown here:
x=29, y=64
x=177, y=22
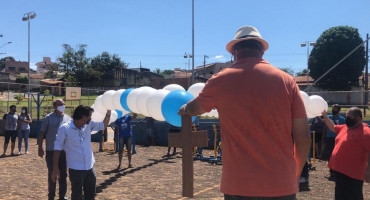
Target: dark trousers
x=82, y=179
x=234, y=197
x=63, y=174
x=347, y=188
x=329, y=147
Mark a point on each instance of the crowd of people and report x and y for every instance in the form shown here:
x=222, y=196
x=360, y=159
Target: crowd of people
x=265, y=136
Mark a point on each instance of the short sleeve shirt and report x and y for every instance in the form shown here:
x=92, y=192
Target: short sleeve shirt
x=124, y=126
x=50, y=126
x=11, y=121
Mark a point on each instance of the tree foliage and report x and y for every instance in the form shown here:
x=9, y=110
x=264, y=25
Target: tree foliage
x=21, y=79
x=304, y=72
x=287, y=70
x=167, y=73
x=105, y=64
x=2, y=61
x=333, y=45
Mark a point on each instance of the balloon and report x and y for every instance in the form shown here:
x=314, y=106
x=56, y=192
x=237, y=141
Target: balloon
x=107, y=99
x=154, y=102
x=92, y=106
x=116, y=99
x=142, y=99
x=317, y=105
x=97, y=116
x=305, y=98
x=131, y=100
x=171, y=105
x=309, y=115
x=123, y=99
x=195, y=89
x=173, y=87
x=98, y=106
x=113, y=116
x=119, y=113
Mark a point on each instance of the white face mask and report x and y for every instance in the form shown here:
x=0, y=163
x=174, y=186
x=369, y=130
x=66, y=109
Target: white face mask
x=61, y=108
x=23, y=111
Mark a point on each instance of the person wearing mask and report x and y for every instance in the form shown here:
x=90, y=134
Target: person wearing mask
x=49, y=128
x=328, y=138
x=350, y=159
x=10, y=124
x=74, y=138
x=24, y=130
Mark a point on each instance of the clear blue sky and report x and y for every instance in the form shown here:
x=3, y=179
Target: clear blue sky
x=158, y=32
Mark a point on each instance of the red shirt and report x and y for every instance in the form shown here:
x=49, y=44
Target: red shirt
x=350, y=154
x=256, y=103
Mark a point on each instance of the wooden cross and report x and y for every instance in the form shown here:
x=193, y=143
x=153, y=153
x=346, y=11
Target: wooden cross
x=187, y=139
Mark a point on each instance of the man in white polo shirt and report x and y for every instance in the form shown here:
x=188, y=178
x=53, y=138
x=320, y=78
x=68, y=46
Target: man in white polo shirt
x=74, y=138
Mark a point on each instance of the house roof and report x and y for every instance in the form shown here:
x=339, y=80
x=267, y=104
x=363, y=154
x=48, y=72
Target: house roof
x=303, y=79
x=36, y=76
x=51, y=81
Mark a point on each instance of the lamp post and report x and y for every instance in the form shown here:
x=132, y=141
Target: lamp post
x=27, y=17
x=192, y=73
x=308, y=44
x=4, y=45
x=204, y=65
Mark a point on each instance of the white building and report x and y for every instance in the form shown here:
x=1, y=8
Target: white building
x=44, y=66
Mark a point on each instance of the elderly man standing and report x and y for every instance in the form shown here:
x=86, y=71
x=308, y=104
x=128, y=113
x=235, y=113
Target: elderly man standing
x=350, y=159
x=49, y=127
x=260, y=109
x=75, y=138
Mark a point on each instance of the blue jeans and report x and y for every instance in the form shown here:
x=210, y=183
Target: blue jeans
x=23, y=134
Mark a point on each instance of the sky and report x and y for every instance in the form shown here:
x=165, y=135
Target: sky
x=158, y=33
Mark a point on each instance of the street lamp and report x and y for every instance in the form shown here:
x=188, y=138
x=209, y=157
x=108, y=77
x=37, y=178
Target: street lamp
x=189, y=56
x=308, y=44
x=27, y=17
x=204, y=65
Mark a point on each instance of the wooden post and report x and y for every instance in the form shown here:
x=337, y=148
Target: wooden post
x=187, y=139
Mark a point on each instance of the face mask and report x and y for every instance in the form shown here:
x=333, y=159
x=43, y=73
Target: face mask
x=88, y=121
x=334, y=112
x=61, y=108
x=350, y=122
x=23, y=111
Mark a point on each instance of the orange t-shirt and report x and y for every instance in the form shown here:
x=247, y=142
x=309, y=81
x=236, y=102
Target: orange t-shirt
x=256, y=103
x=350, y=154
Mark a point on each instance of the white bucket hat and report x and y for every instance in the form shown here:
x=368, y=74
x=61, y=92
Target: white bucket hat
x=247, y=33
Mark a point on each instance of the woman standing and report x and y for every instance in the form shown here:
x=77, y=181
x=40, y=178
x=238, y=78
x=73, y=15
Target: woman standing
x=24, y=129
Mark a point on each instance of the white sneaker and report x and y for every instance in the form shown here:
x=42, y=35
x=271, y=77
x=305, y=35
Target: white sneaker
x=303, y=180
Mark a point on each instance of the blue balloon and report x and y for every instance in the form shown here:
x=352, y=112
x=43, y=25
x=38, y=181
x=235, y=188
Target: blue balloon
x=171, y=104
x=119, y=113
x=123, y=99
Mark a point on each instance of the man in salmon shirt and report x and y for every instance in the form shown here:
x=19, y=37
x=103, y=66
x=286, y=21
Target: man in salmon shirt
x=350, y=159
x=260, y=111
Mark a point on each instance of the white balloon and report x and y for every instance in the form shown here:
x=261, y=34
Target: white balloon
x=154, y=102
x=116, y=99
x=196, y=88
x=141, y=100
x=98, y=106
x=305, y=98
x=97, y=116
x=92, y=106
x=131, y=100
x=309, y=115
x=172, y=87
x=113, y=116
x=107, y=99
x=317, y=105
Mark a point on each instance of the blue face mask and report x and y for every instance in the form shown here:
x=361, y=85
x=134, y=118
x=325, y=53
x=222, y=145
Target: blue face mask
x=88, y=121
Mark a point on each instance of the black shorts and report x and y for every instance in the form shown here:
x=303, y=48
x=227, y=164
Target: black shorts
x=125, y=141
x=10, y=134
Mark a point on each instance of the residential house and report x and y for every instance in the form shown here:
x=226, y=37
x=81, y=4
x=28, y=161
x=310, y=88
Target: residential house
x=207, y=71
x=53, y=85
x=44, y=66
x=16, y=67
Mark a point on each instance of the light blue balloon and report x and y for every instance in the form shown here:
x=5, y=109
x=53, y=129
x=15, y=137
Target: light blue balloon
x=171, y=104
x=119, y=113
x=123, y=99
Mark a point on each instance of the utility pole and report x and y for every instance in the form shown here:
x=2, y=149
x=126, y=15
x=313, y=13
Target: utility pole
x=366, y=75
x=204, y=66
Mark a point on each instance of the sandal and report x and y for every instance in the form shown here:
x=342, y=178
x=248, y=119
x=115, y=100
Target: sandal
x=3, y=155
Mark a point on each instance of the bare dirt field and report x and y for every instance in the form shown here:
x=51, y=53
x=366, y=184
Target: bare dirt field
x=152, y=177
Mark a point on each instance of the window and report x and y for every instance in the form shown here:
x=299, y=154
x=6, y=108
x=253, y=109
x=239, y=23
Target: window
x=11, y=68
x=22, y=69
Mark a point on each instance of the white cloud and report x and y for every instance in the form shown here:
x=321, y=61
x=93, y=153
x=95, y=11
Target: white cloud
x=33, y=66
x=220, y=58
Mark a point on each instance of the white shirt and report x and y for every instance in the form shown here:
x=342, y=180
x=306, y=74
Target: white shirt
x=77, y=144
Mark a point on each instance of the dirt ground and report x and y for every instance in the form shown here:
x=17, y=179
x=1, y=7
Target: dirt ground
x=153, y=177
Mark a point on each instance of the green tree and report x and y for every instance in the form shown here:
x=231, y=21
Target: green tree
x=287, y=70
x=52, y=72
x=334, y=44
x=18, y=97
x=167, y=73
x=303, y=73
x=157, y=71
x=74, y=63
x=2, y=61
x=105, y=64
